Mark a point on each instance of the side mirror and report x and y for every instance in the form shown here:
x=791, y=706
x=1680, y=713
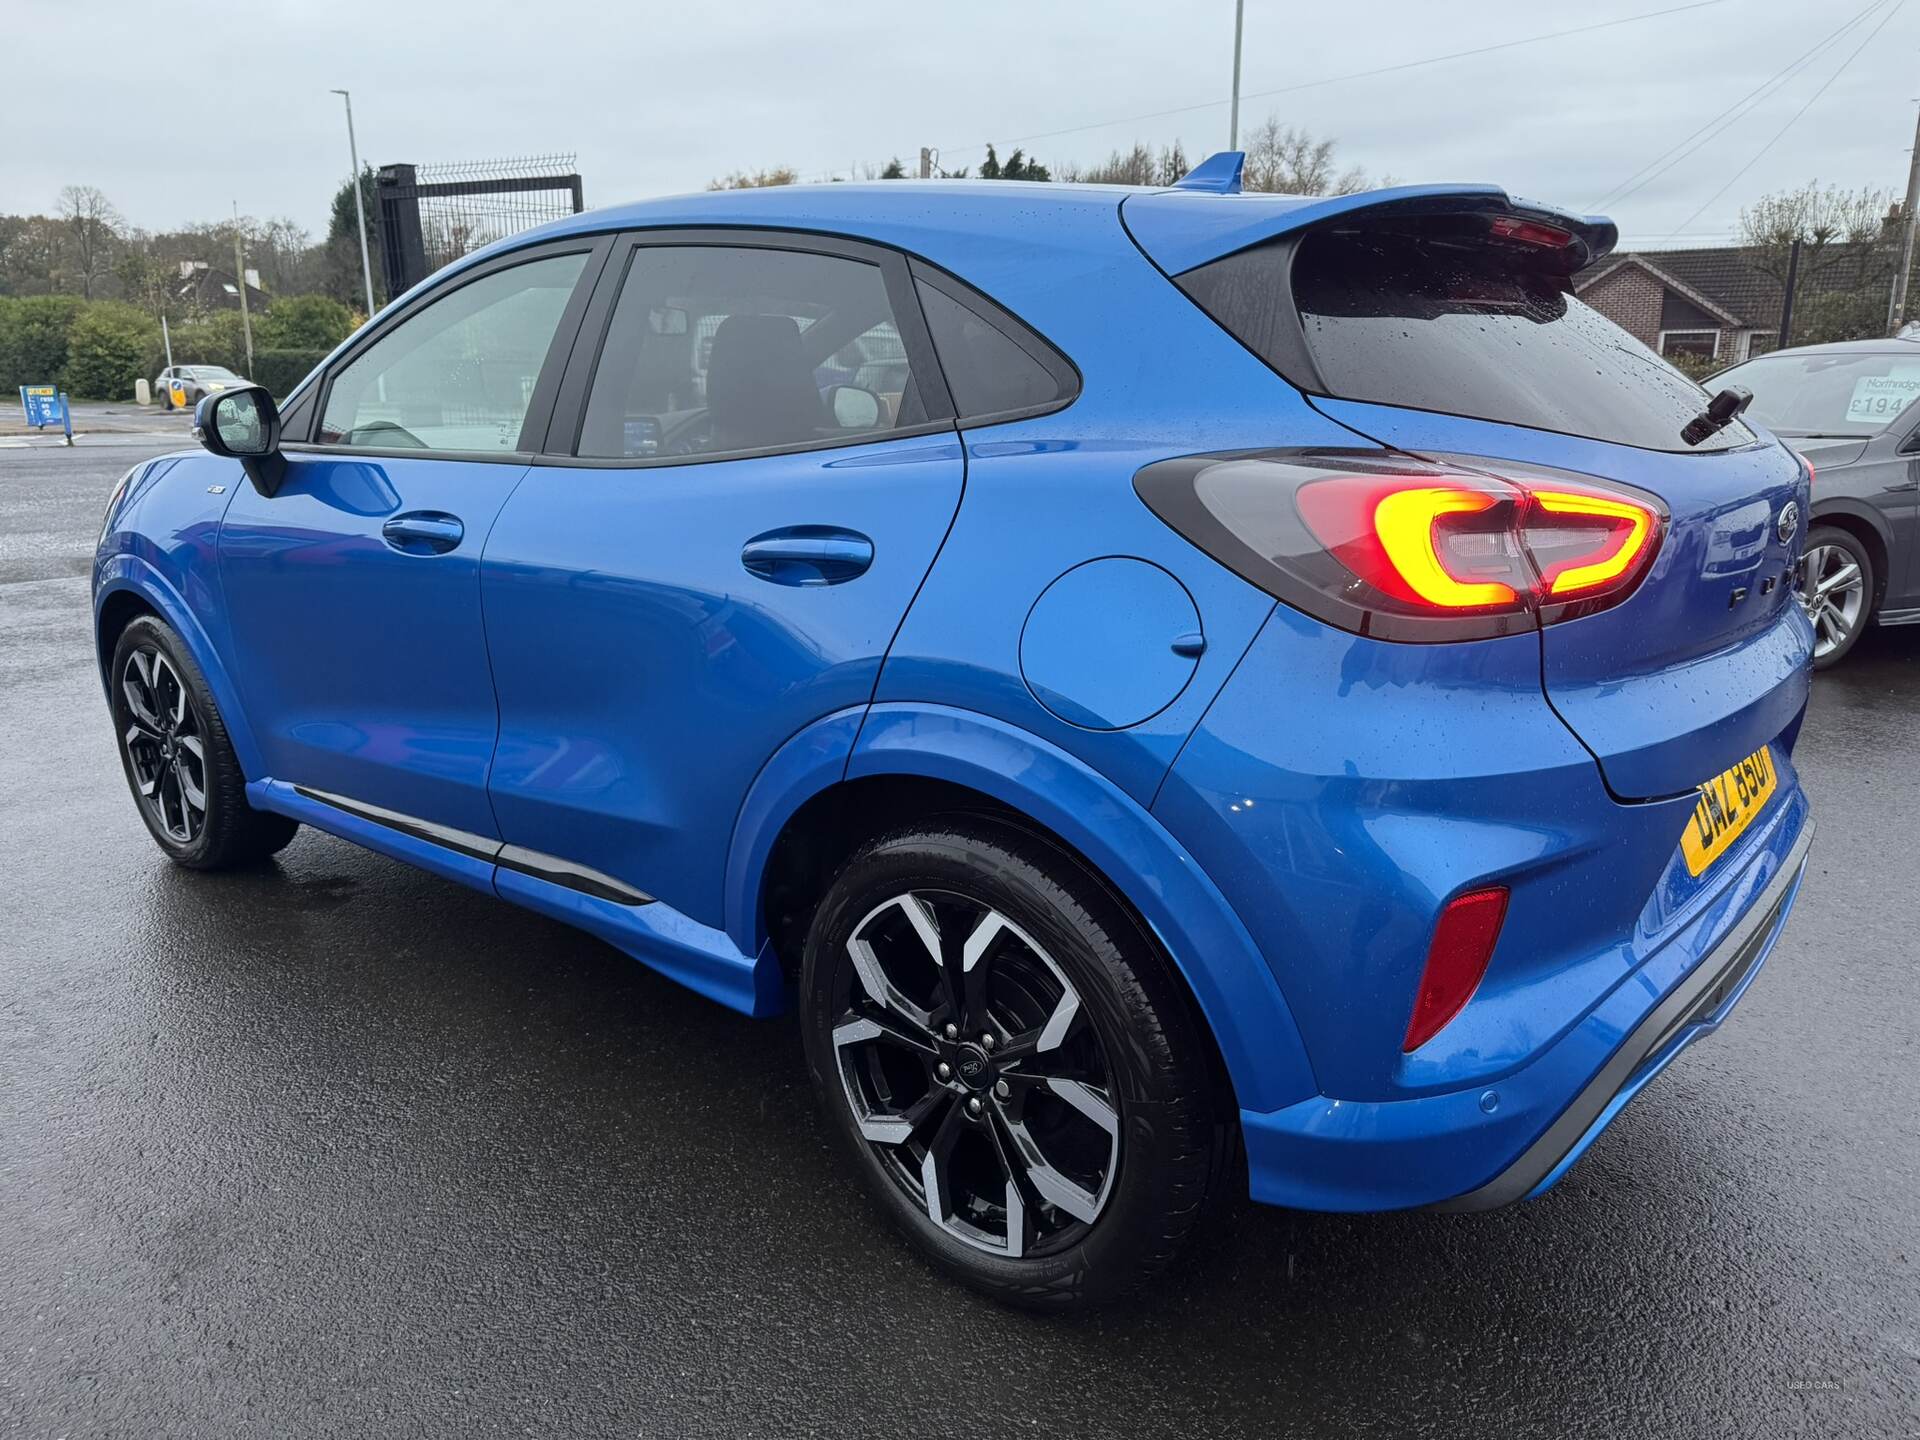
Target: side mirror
x=854, y=408
x=244, y=425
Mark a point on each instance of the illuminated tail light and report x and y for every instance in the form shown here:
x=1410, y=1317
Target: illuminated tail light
x=1400, y=549
x=1463, y=942
x=1481, y=545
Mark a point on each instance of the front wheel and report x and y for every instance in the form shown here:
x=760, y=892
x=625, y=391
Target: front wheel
x=1835, y=586
x=180, y=765
x=1010, y=1064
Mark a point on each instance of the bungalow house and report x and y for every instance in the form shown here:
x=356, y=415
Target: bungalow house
x=207, y=287
x=1712, y=304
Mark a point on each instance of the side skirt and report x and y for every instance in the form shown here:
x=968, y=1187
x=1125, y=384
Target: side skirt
x=702, y=958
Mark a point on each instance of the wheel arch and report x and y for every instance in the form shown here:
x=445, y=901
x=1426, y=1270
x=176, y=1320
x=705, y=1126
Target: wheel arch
x=844, y=780
x=125, y=588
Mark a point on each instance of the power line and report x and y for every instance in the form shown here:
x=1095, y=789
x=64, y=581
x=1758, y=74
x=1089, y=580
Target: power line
x=1354, y=75
x=1718, y=124
x=1794, y=119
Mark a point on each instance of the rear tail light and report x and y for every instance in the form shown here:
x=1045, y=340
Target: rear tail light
x=1405, y=550
x=1463, y=942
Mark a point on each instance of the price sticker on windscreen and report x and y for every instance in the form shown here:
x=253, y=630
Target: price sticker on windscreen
x=1878, y=398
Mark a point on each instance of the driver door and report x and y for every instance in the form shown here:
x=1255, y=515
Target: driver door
x=353, y=593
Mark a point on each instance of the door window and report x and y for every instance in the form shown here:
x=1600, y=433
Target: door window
x=717, y=350
x=459, y=374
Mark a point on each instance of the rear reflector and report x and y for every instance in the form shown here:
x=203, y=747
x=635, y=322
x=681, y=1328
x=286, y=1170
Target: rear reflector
x=1462, y=944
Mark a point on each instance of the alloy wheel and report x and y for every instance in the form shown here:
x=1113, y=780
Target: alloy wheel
x=973, y=1073
x=1833, y=592
x=164, y=745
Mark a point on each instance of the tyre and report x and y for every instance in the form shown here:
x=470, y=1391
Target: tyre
x=1010, y=1065
x=179, y=763
x=166, y=398
x=1836, y=588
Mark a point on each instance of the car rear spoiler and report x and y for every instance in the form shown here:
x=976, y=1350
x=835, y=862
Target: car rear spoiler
x=1191, y=224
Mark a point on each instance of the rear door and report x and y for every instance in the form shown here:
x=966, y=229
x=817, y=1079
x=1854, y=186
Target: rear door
x=753, y=465
x=1456, y=336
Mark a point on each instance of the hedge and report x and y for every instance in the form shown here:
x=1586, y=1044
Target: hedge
x=33, y=339
x=281, y=370
x=107, y=350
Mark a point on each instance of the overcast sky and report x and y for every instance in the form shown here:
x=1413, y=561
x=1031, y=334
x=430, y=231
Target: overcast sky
x=178, y=118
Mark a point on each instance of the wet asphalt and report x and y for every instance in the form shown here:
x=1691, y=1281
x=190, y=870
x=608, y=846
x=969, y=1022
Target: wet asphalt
x=338, y=1148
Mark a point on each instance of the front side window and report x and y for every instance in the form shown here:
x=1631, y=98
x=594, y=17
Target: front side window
x=459, y=374
x=716, y=349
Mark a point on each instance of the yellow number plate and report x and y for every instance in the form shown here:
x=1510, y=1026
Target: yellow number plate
x=1728, y=803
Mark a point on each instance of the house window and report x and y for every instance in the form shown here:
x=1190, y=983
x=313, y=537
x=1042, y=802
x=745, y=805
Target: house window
x=1700, y=344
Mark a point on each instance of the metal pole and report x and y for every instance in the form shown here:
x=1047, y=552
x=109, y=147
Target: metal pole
x=240, y=275
x=166, y=340
x=1233, y=118
x=1897, y=303
x=926, y=163
x=359, y=204
x=1786, y=302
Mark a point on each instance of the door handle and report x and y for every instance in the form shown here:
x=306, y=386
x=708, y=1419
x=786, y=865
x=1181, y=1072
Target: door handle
x=423, y=532
x=808, y=555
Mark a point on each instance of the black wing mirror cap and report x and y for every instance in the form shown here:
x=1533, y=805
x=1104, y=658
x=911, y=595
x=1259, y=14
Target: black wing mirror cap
x=244, y=424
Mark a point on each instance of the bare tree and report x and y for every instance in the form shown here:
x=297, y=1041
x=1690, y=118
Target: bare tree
x=1849, y=251
x=1831, y=225
x=1142, y=165
x=753, y=180
x=1283, y=160
x=94, y=225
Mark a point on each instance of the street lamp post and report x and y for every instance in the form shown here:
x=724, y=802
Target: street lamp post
x=1233, y=122
x=359, y=205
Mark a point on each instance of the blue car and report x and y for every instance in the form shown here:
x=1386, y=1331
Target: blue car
x=1183, y=692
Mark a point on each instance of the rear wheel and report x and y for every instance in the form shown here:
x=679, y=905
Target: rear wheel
x=178, y=760
x=1835, y=586
x=1009, y=1064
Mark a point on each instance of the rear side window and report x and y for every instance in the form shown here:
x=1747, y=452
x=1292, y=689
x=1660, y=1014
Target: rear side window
x=988, y=373
x=718, y=349
x=1433, y=316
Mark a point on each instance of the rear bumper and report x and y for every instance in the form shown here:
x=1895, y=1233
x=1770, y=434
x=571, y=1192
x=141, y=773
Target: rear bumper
x=1695, y=1007
x=1513, y=1138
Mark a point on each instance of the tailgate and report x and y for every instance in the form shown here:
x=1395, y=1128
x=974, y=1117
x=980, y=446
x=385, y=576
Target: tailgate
x=1447, y=324
x=1708, y=659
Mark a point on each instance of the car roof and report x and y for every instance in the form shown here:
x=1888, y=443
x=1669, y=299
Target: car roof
x=1876, y=346
x=955, y=223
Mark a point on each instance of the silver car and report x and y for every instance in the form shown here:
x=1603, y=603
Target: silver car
x=180, y=387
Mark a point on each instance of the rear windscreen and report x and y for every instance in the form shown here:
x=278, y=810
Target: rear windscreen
x=1434, y=317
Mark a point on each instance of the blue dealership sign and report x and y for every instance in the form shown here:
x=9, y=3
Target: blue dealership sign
x=45, y=406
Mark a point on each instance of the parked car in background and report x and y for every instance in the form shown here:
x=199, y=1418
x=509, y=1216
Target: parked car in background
x=1848, y=408
x=180, y=387
x=1182, y=691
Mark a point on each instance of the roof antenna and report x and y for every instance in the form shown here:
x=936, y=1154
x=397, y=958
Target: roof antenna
x=1216, y=175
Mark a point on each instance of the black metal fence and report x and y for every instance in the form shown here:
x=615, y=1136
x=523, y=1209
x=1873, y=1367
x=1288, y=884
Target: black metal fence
x=431, y=215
